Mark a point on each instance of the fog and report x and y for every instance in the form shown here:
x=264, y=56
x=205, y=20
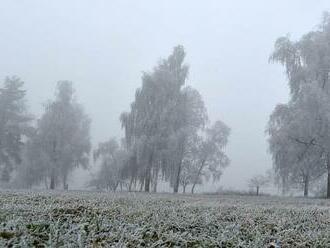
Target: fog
x=104, y=46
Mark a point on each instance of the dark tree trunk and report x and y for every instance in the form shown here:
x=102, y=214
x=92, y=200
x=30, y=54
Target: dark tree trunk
x=46, y=183
x=147, y=181
x=130, y=185
x=328, y=186
x=306, y=185
x=52, y=176
x=257, y=190
x=283, y=186
x=52, y=182
x=177, y=180
x=193, y=188
x=197, y=176
x=328, y=183
x=65, y=185
x=155, y=186
x=148, y=174
x=184, y=189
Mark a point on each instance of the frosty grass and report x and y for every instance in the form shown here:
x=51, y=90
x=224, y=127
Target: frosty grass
x=90, y=219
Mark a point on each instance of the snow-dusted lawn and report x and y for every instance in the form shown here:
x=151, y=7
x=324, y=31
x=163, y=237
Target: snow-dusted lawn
x=80, y=219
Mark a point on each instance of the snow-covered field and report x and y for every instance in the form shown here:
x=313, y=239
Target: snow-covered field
x=90, y=219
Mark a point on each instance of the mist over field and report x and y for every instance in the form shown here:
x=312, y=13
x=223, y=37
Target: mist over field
x=165, y=123
x=104, y=46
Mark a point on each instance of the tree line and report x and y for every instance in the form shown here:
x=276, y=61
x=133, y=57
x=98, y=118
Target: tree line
x=167, y=136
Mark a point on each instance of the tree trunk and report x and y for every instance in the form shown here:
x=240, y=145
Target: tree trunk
x=115, y=186
x=154, y=181
x=184, y=188
x=147, y=181
x=193, y=188
x=148, y=174
x=177, y=180
x=46, y=183
x=130, y=185
x=197, y=176
x=52, y=182
x=328, y=186
x=155, y=185
x=141, y=186
x=283, y=186
x=52, y=176
x=328, y=183
x=306, y=185
x=65, y=185
x=257, y=190
x=135, y=183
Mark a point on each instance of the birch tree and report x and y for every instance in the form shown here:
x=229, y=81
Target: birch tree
x=307, y=65
x=152, y=118
x=210, y=155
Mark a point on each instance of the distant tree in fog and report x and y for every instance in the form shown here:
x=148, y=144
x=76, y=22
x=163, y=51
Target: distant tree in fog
x=34, y=166
x=14, y=125
x=257, y=182
x=62, y=141
x=112, y=159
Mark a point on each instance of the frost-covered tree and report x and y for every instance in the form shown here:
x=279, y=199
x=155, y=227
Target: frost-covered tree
x=257, y=182
x=295, y=130
x=112, y=159
x=63, y=133
x=210, y=157
x=190, y=118
x=164, y=119
x=307, y=64
x=14, y=125
x=161, y=117
x=33, y=169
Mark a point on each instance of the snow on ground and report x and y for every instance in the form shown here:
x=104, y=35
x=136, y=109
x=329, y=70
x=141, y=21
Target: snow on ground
x=93, y=219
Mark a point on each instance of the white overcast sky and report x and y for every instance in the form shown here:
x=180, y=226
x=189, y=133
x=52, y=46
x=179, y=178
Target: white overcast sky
x=104, y=45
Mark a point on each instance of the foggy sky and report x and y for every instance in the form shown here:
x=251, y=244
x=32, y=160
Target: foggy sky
x=103, y=46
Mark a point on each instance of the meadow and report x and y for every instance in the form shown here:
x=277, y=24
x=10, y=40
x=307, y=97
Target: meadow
x=95, y=219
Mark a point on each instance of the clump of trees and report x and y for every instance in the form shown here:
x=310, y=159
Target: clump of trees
x=168, y=136
x=299, y=131
x=49, y=150
x=166, y=125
